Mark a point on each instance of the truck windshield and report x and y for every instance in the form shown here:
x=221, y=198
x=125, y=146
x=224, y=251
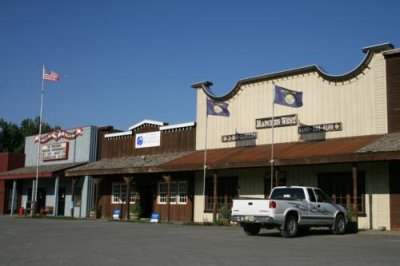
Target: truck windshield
x=288, y=194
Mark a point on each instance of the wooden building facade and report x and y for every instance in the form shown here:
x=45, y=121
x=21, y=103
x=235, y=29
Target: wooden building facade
x=127, y=168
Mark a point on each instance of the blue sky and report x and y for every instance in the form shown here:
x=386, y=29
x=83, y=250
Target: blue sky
x=125, y=61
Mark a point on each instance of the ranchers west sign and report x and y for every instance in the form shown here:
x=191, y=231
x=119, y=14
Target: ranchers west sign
x=279, y=121
x=60, y=134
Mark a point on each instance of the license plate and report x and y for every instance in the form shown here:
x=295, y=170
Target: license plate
x=249, y=218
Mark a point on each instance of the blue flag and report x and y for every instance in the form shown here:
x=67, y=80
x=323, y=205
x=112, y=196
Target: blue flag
x=217, y=108
x=288, y=97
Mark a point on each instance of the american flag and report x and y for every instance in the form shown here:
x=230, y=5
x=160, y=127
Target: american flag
x=51, y=75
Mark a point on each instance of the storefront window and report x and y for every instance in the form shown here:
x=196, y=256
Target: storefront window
x=227, y=189
x=119, y=193
x=178, y=193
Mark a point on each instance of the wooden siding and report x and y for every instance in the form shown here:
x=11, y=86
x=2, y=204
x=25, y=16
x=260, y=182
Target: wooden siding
x=394, y=183
x=358, y=103
x=172, y=141
x=178, y=212
x=393, y=93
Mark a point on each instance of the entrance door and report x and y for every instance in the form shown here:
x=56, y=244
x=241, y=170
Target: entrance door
x=146, y=200
x=61, y=201
x=41, y=199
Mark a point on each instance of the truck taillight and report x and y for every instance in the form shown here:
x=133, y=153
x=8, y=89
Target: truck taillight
x=272, y=204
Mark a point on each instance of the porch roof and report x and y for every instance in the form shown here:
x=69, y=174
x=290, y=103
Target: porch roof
x=340, y=150
x=125, y=165
x=45, y=171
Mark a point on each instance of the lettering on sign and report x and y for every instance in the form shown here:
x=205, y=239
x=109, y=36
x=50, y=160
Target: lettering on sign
x=55, y=151
x=320, y=128
x=239, y=137
x=146, y=140
x=60, y=134
x=279, y=121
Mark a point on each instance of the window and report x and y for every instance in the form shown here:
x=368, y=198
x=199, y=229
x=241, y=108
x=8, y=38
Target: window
x=339, y=186
x=227, y=189
x=178, y=193
x=288, y=194
x=321, y=196
x=119, y=193
x=311, y=194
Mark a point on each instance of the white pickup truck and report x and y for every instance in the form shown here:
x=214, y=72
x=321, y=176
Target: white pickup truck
x=289, y=209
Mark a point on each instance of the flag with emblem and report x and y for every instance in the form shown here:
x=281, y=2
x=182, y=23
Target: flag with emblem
x=288, y=97
x=217, y=108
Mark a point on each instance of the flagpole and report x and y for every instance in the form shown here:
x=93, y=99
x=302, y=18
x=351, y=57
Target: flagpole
x=205, y=166
x=272, y=138
x=33, y=211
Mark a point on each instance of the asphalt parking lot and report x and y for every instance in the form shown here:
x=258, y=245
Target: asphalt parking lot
x=26, y=241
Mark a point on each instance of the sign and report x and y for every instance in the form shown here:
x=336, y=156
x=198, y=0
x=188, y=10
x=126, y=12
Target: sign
x=55, y=151
x=155, y=217
x=320, y=128
x=239, y=137
x=279, y=121
x=116, y=214
x=60, y=134
x=145, y=140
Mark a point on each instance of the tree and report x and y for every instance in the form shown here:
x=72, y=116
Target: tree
x=12, y=137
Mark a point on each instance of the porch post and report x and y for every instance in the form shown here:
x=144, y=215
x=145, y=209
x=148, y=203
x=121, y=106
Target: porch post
x=128, y=181
x=97, y=181
x=74, y=182
x=354, y=176
x=14, y=190
x=215, y=201
x=167, y=179
x=56, y=188
x=32, y=203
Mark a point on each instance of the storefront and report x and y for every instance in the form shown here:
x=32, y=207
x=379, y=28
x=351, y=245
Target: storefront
x=128, y=169
x=59, y=151
x=303, y=127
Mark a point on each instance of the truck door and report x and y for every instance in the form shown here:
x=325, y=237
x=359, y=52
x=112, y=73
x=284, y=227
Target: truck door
x=321, y=209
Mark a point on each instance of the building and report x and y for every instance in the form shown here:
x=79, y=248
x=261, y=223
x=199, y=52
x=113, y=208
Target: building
x=9, y=161
x=129, y=167
x=345, y=138
x=56, y=195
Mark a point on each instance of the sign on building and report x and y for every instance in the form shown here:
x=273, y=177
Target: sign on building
x=54, y=151
x=146, y=140
x=278, y=121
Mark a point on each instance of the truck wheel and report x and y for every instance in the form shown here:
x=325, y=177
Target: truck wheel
x=340, y=225
x=291, y=226
x=251, y=229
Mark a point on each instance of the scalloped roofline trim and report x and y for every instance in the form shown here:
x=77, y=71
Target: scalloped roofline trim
x=369, y=51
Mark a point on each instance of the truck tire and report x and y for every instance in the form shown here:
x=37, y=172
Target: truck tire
x=251, y=229
x=340, y=225
x=291, y=226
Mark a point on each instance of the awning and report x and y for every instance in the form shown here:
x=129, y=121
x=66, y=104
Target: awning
x=45, y=171
x=340, y=150
x=125, y=165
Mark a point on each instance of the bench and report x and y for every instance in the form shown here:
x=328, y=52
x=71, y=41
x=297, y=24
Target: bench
x=46, y=210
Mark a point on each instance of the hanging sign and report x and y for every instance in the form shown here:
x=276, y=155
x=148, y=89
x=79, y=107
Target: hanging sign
x=60, y=134
x=278, y=121
x=320, y=128
x=239, y=137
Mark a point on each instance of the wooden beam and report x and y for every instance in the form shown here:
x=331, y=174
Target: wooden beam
x=97, y=181
x=128, y=181
x=215, y=202
x=167, y=179
x=354, y=176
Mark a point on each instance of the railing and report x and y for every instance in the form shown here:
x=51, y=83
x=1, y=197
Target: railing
x=221, y=201
x=344, y=200
x=347, y=202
